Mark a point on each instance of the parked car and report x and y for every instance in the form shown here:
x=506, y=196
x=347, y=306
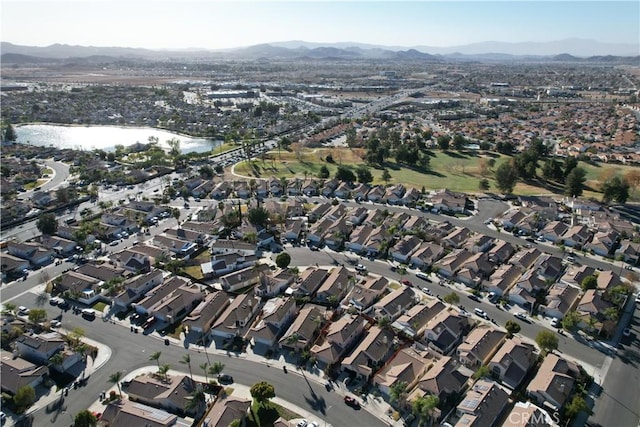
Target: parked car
x=423, y=276
x=23, y=311
x=521, y=316
x=555, y=322
x=351, y=402
x=407, y=282
x=302, y=423
x=361, y=268
x=480, y=313
x=427, y=291
x=88, y=313
x=225, y=379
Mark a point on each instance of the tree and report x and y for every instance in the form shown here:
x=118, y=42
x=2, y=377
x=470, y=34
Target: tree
x=423, y=408
x=324, y=172
x=9, y=133
x=186, y=359
x=164, y=371
x=570, y=163
x=258, y=216
x=459, y=141
x=483, y=184
x=345, y=174
x=576, y=406
x=115, y=379
x=386, y=176
x=85, y=418
x=37, y=315
x=364, y=174
x=574, y=182
x=262, y=392
x=443, y=142
x=195, y=401
x=589, y=282
x=156, y=357
x=570, y=320
x=25, y=397
x=452, y=298
x=47, y=224
x=616, y=189
x=204, y=366
x=216, y=368
x=283, y=260
x=506, y=176
x=547, y=341
x=482, y=372
x=512, y=327
x=398, y=391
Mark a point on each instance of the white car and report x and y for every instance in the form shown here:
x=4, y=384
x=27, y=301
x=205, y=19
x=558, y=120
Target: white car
x=480, y=313
x=302, y=423
x=555, y=322
x=521, y=316
x=360, y=267
x=423, y=276
x=23, y=311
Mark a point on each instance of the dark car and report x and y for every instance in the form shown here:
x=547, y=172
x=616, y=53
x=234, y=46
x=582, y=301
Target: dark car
x=474, y=297
x=351, y=402
x=225, y=379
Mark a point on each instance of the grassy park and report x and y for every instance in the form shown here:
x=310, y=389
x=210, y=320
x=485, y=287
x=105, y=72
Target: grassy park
x=453, y=170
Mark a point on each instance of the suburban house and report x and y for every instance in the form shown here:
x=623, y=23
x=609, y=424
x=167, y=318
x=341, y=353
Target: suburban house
x=576, y=236
x=447, y=201
x=426, y=255
x=479, y=243
x=394, y=304
x=244, y=278
x=273, y=283
x=12, y=266
x=512, y=361
x=179, y=247
x=480, y=345
x=561, y=299
x=503, y=279
x=222, y=264
x=456, y=238
x=136, y=287
x=501, y=252
x=404, y=248
x=576, y=274
x=450, y=264
x=525, y=259
x=483, y=404
x=17, y=372
x=370, y=354
x=408, y=365
x=223, y=246
x=304, y=329
x=340, y=336
x=32, y=252
x=554, y=382
x=335, y=287
x=603, y=243
x=310, y=281
x=171, y=394
x=445, y=331
x=227, y=410
x=124, y=413
x=39, y=348
x=364, y=294
x=201, y=318
x=475, y=269
x=85, y=289
x=237, y=317
x=443, y=379
x=413, y=321
x=358, y=238
x=273, y=320
x=524, y=414
x=174, y=295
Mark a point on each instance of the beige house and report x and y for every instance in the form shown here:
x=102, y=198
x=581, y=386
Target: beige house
x=339, y=336
x=478, y=347
x=512, y=361
x=482, y=405
x=443, y=379
x=125, y=413
x=554, y=381
x=371, y=353
x=408, y=366
x=304, y=329
x=226, y=410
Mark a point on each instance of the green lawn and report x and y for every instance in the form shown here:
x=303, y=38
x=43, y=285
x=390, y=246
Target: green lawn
x=99, y=307
x=455, y=171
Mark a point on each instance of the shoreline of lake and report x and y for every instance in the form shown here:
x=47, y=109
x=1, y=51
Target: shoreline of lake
x=106, y=137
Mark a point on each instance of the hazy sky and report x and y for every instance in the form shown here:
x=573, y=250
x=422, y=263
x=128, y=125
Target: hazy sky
x=223, y=24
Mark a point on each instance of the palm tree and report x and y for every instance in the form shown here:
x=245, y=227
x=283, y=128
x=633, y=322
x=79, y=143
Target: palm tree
x=423, y=408
x=156, y=356
x=195, y=401
x=56, y=359
x=163, y=370
x=216, y=368
x=398, y=391
x=115, y=379
x=187, y=359
x=204, y=367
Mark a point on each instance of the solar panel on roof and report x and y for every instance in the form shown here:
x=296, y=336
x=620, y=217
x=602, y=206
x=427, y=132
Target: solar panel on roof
x=154, y=413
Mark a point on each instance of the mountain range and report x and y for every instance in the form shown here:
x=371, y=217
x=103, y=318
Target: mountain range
x=570, y=50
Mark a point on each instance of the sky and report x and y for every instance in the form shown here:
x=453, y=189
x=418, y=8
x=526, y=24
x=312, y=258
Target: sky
x=214, y=24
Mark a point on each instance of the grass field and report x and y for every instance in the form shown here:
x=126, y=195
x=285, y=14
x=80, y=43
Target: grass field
x=455, y=171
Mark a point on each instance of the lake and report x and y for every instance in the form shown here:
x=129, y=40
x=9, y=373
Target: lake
x=105, y=137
